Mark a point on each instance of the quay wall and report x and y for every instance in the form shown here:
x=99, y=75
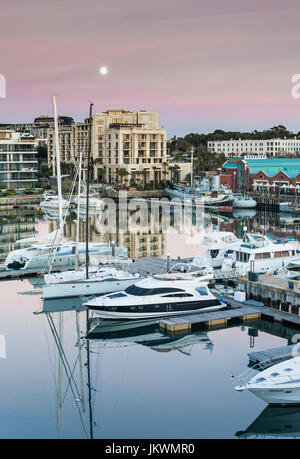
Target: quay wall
x=280, y=296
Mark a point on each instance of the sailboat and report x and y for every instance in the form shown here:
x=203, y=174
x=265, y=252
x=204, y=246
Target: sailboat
x=87, y=280
x=56, y=251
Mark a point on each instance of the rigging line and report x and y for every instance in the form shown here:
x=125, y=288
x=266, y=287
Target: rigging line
x=53, y=329
x=98, y=369
x=65, y=216
x=61, y=352
x=50, y=356
x=50, y=262
x=69, y=380
x=118, y=393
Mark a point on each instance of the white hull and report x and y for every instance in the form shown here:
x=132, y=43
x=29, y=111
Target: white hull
x=266, y=265
x=84, y=288
x=244, y=203
x=54, y=204
x=63, y=259
x=286, y=396
x=150, y=315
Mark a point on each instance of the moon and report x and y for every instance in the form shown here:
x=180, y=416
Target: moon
x=103, y=70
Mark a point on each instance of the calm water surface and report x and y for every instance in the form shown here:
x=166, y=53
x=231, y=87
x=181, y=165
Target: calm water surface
x=125, y=383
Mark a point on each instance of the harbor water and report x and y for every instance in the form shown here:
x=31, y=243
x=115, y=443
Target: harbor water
x=129, y=380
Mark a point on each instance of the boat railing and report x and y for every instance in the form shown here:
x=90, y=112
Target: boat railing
x=243, y=379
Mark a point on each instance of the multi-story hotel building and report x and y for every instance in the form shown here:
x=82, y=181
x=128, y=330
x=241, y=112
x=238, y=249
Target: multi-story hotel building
x=271, y=147
x=120, y=140
x=18, y=160
x=41, y=125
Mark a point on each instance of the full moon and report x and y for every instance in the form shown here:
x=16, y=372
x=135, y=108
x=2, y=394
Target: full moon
x=103, y=70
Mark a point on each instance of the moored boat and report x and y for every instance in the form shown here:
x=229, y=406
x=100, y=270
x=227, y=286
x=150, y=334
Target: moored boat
x=157, y=297
x=278, y=384
x=73, y=283
x=244, y=202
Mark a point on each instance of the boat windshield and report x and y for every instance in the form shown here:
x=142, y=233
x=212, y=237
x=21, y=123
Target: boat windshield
x=139, y=291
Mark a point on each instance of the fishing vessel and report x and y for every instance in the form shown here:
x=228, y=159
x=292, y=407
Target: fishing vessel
x=157, y=296
x=278, y=384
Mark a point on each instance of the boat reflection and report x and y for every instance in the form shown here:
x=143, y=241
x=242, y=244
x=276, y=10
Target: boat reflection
x=274, y=421
x=242, y=213
x=146, y=333
x=64, y=305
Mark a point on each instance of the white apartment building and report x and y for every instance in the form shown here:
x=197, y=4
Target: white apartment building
x=18, y=159
x=270, y=147
x=120, y=140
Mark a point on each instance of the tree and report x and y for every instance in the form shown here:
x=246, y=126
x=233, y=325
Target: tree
x=122, y=173
x=42, y=152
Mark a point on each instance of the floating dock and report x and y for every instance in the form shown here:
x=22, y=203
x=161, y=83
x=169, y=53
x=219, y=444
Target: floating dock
x=272, y=356
x=17, y=273
x=209, y=319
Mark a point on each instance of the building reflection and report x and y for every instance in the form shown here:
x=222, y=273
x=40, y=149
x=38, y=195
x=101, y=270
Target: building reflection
x=14, y=227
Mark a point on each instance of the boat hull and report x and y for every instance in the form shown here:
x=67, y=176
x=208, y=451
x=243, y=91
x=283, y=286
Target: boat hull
x=155, y=311
x=244, y=203
x=85, y=288
x=285, y=396
x=207, y=202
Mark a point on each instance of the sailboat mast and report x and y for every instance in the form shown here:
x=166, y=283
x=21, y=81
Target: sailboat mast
x=78, y=212
x=87, y=194
x=192, y=165
x=58, y=172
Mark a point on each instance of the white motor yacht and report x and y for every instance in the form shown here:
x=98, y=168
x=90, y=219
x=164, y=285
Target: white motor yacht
x=278, y=384
x=259, y=254
x=157, y=296
x=217, y=244
x=100, y=280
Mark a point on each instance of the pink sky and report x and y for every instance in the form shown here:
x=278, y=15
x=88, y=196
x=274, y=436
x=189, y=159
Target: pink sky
x=202, y=65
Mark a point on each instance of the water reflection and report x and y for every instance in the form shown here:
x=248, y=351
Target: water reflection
x=14, y=227
x=170, y=229
x=79, y=343
x=145, y=334
x=274, y=421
